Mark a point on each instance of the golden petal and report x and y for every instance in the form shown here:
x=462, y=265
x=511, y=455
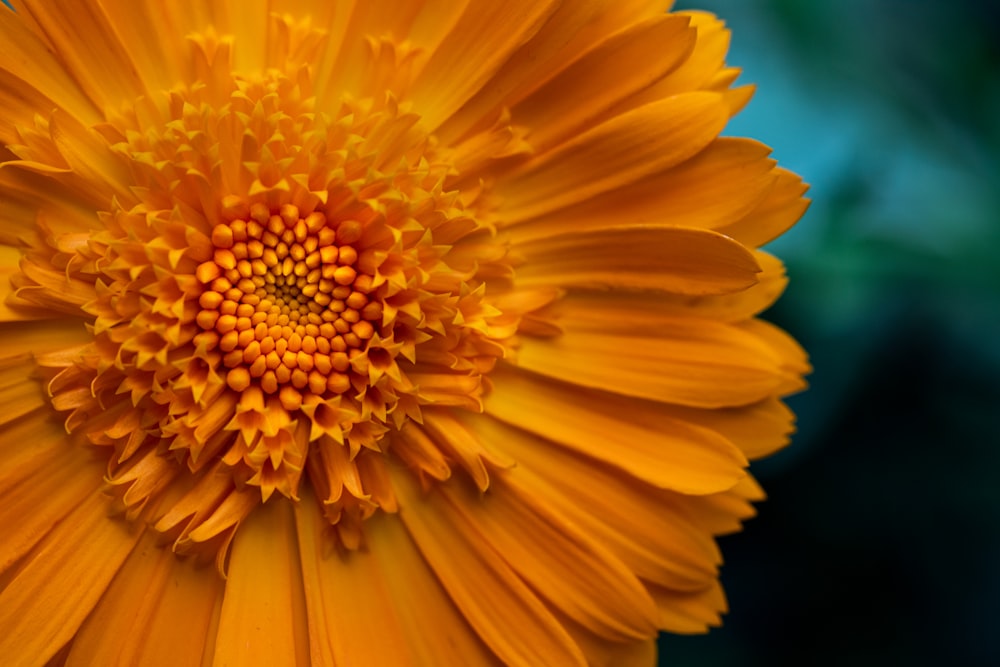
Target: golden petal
x=624, y=433
x=502, y=609
x=672, y=259
x=248, y=22
x=33, y=201
x=603, y=652
x=461, y=445
x=724, y=513
x=417, y=622
x=32, y=63
x=698, y=72
x=573, y=30
x=42, y=482
x=575, y=574
x=89, y=157
x=333, y=581
x=90, y=50
x=435, y=631
x=699, y=364
x=380, y=34
x=782, y=207
x=149, y=36
x=717, y=187
x=641, y=309
x=475, y=48
x=759, y=429
x=16, y=99
x=583, y=94
x=263, y=618
x=17, y=396
x=165, y=621
x=343, y=35
x=47, y=287
x=61, y=581
x=650, y=531
x=790, y=356
x=620, y=151
x=42, y=337
x=690, y=612
x=369, y=632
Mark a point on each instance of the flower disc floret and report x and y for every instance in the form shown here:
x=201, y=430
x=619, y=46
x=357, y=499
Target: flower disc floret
x=285, y=304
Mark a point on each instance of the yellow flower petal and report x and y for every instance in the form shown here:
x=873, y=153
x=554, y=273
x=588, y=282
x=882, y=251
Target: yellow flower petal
x=759, y=429
x=482, y=39
x=333, y=581
x=16, y=96
x=41, y=485
x=432, y=625
x=690, y=613
x=649, y=530
x=641, y=309
x=92, y=53
x=31, y=63
x=263, y=617
x=700, y=68
x=717, y=187
x=671, y=259
x=34, y=200
x=416, y=622
x=603, y=653
x=774, y=215
x=40, y=337
x=574, y=29
x=56, y=589
x=614, y=154
x=571, y=572
x=149, y=36
x=630, y=435
x=169, y=624
x=701, y=365
x=17, y=400
x=505, y=613
x=723, y=513
x=623, y=64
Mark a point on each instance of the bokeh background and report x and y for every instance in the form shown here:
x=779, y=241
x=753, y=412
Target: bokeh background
x=880, y=541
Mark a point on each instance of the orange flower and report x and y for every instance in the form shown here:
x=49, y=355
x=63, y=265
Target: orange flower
x=431, y=323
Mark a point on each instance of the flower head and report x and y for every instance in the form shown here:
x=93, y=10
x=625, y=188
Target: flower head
x=432, y=324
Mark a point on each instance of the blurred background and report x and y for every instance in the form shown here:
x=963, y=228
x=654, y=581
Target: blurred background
x=880, y=541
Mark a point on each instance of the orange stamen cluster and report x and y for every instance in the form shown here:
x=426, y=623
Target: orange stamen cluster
x=303, y=318
x=285, y=303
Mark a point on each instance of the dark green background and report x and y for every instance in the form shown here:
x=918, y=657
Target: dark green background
x=879, y=544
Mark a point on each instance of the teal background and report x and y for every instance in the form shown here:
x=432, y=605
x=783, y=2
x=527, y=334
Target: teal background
x=879, y=544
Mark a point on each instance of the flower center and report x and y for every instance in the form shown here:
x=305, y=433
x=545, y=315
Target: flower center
x=286, y=304
x=282, y=293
